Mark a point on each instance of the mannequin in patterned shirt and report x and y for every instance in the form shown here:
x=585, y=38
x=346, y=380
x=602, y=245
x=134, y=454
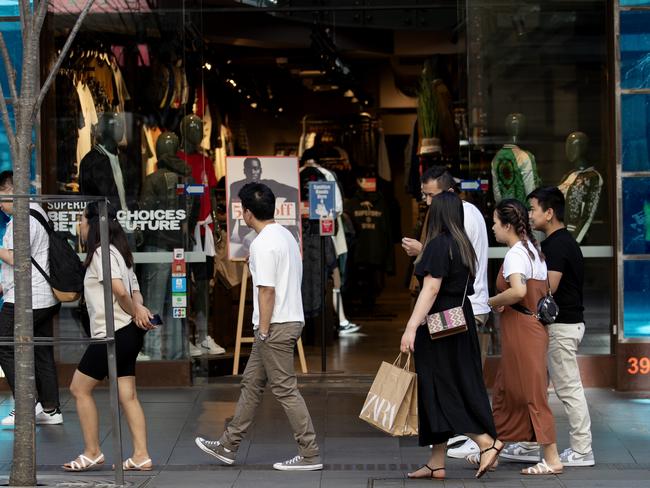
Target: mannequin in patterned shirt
x=514, y=171
x=581, y=187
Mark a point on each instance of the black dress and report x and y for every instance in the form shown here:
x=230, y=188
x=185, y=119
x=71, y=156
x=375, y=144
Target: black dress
x=452, y=398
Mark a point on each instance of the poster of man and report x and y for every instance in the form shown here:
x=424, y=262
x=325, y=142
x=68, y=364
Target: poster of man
x=280, y=174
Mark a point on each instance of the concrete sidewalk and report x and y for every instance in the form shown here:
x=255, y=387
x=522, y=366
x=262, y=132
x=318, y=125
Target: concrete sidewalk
x=355, y=455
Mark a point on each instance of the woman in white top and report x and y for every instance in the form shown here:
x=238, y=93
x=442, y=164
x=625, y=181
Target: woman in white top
x=132, y=320
x=520, y=404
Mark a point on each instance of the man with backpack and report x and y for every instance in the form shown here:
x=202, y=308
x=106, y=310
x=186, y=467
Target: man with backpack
x=45, y=307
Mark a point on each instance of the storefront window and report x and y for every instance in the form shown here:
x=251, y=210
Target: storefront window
x=635, y=46
x=636, y=289
x=635, y=115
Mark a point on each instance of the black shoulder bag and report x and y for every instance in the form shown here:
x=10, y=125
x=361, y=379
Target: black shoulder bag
x=547, y=309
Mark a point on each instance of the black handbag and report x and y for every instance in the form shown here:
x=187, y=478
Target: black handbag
x=547, y=309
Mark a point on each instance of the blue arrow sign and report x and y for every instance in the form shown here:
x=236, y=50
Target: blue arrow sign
x=194, y=189
x=470, y=185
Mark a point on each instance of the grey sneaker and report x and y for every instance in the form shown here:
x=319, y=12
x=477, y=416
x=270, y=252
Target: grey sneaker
x=216, y=449
x=569, y=457
x=299, y=463
x=521, y=452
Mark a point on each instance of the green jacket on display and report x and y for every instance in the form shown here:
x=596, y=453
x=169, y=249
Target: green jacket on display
x=514, y=173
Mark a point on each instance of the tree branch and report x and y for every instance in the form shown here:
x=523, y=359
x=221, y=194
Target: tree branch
x=39, y=18
x=7, y=123
x=25, y=15
x=11, y=73
x=64, y=52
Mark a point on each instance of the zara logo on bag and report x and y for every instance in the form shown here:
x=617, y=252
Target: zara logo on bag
x=379, y=407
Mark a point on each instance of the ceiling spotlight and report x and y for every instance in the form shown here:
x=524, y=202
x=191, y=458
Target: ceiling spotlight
x=207, y=66
x=254, y=105
x=280, y=109
x=229, y=61
x=248, y=97
x=348, y=93
x=354, y=100
x=232, y=82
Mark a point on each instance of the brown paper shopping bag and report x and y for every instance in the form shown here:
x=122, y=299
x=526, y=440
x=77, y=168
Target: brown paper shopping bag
x=392, y=402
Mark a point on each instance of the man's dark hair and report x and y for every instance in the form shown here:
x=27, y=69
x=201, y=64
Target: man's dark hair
x=549, y=197
x=310, y=154
x=6, y=179
x=440, y=175
x=259, y=199
x=249, y=161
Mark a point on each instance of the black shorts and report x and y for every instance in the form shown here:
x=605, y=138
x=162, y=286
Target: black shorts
x=128, y=343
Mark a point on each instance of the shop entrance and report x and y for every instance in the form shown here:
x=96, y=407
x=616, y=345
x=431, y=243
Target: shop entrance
x=278, y=78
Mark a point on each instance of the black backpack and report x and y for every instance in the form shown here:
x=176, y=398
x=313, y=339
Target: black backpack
x=66, y=271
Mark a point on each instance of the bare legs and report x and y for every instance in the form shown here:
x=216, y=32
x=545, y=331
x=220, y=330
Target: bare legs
x=552, y=457
x=82, y=387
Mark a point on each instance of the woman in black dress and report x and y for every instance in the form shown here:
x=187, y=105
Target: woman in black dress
x=452, y=398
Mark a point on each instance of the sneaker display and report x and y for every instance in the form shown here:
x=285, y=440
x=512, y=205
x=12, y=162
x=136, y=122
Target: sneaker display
x=55, y=417
x=195, y=351
x=465, y=449
x=299, y=463
x=211, y=346
x=569, y=457
x=518, y=451
x=348, y=327
x=216, y=449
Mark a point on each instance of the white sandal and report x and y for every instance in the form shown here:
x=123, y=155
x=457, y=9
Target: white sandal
x=84, y=463
x=540, y=469
x=130, y=465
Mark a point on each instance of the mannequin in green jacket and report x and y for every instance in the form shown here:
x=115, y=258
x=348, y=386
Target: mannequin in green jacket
x=514, y=171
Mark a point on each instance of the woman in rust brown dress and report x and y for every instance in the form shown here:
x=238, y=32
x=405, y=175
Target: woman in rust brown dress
x=520, y=403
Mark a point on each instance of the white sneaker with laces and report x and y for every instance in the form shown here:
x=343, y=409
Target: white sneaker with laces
x=569, y=457
x=38, y=411
x=465, y=449
x=519, y=451
x=211, y=346
x=299, y=463
x=457, y=439
x=143, y=357
x=348, y=327
x=195, y=351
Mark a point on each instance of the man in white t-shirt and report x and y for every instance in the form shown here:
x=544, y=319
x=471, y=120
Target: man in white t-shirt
x=45, y=306
x=434, y=181
x=276, y=268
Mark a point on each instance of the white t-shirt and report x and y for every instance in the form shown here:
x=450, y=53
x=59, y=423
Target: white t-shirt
x=275, y=261
x=42, y=296
x=477, y=233
x=94, y=291
x=518, y=260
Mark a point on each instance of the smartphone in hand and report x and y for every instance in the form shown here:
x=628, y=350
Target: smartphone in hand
x=155, y=320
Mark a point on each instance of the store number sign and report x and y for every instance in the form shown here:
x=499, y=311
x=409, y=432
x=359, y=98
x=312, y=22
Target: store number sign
x=638, y=365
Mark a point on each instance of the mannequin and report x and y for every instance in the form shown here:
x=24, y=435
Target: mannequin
x=100, y=172
x=310, y=161
x=581, y=187
x=202, y=169
x=159, y=193
x=514, y=171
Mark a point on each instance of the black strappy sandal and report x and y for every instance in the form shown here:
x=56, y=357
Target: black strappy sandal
x=498, y=450
x=433, y=470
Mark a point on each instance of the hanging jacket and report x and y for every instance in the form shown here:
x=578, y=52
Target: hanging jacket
x=514, y=173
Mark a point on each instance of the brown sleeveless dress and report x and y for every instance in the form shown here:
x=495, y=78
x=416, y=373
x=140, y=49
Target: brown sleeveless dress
x=520, y=403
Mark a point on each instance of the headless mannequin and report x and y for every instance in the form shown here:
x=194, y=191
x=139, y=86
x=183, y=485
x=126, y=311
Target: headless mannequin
x=581, y=188
x=100, y=173
x=514, y=171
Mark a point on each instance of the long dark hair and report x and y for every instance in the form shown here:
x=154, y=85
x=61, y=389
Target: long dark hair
x=513, y=212
x=116, y=235
x=446, y=216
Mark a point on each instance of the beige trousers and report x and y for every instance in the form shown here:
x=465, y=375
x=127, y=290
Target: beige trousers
x=271, y=361
x=565, y=375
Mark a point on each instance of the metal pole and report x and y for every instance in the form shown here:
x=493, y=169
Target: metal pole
x=110, y=346
x=323, y=345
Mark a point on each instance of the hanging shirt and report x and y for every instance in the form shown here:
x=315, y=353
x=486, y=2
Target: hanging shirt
x=84, y=138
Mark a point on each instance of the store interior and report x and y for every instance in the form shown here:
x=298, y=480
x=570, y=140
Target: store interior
x=277, y=78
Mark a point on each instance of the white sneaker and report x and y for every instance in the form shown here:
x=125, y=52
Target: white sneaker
x=456, y=440
x=348, y=327
x=38, y=411
x=51, y=418
x=143, y=357
x=195, y=351
x=521, y=452
x=211, y=346
x=569, y=457
x=465, y=449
